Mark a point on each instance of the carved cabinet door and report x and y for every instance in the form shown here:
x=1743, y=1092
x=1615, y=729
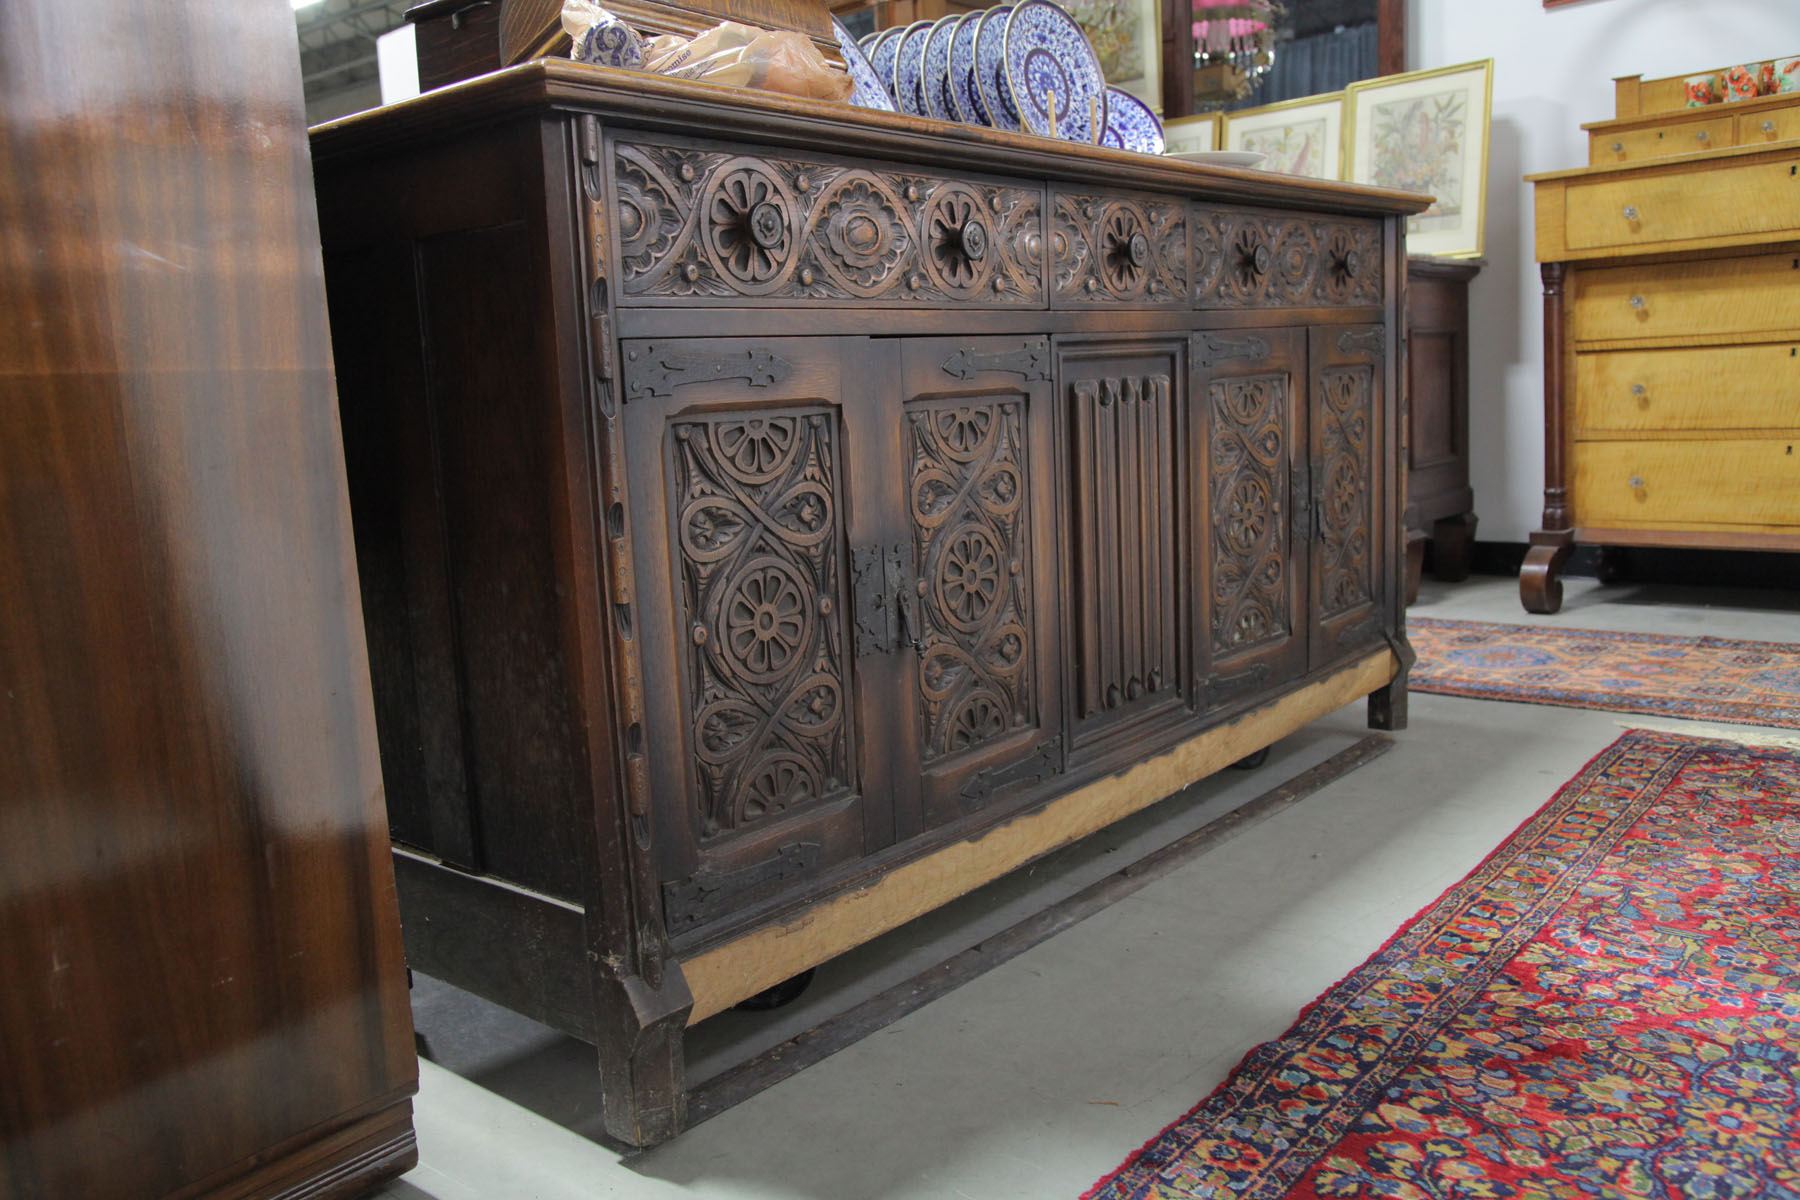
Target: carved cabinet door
x=746, y=499
x=1349, y=507
x=978, y=708
x=1122, y=405
x=1255, y=511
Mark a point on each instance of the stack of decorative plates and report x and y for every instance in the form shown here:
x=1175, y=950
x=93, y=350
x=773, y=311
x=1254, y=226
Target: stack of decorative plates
x=1021, y=67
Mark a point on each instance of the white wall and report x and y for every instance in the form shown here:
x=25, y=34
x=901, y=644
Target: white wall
x=1553, y=70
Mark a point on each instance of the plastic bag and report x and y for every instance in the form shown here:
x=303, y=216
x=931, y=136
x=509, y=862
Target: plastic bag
x=744, y=56
x=599, y=37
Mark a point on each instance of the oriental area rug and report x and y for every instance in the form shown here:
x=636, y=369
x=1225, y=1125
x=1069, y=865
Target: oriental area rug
x=1608, y=1006
x=1698, y=678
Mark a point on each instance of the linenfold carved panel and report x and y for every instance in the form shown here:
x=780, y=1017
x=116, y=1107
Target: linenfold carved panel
x=1113, y=249
x=1246, y=259
x=1250, y=466
x=693, y=222
x=1347, y=395
x=1124, y=549
x=756, y=509
x=967, y=491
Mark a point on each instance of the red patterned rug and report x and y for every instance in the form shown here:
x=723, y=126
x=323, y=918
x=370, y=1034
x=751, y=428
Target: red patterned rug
x=1709, y=679
x=1608, y=1006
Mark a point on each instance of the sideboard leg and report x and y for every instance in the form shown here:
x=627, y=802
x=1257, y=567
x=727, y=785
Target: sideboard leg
x=1415, y=563
x=1540, y=591
x=1453, y=547
x=1387, y=705
x=643, y=1077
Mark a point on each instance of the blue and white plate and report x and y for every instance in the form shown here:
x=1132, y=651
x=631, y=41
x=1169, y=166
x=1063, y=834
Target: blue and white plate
x=934, y=73
x=1051, y=68
x=1130, y=125
x=881, y=57
x=963, y=89
x=990, y=70
x=907, y=60
x=867, y=90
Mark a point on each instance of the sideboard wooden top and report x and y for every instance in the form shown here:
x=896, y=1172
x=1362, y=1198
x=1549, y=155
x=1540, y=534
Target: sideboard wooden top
x=645, y=101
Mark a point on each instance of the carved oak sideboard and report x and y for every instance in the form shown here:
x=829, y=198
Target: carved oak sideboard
x=776, y=519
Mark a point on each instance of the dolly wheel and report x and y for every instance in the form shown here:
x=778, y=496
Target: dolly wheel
x=1252, y=761
x=782, y=994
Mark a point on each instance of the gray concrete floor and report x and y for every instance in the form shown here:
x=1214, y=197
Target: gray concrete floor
x=1036, y=1079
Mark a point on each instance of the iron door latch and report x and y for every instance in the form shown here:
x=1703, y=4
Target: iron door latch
x=885, y=591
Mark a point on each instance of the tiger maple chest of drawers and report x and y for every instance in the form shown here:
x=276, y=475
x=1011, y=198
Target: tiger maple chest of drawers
x=1671, y=269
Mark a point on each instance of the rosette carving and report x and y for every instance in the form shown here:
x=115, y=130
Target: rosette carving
x=973, y=557
x=748, y=227
x=1249, y=259
x=1250, y=454
x=956, y=229
x=1345, y=497
x=864, y=231
x=757, y=533
x=1113, y=248
x=694, y=223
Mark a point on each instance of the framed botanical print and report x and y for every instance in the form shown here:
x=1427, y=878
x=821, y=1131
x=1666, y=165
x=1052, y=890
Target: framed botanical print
x=1427, y=131
x=1296, y=137
x=1127, y=39
x=1185, y=135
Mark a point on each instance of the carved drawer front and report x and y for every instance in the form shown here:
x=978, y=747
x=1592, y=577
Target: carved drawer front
x=1249, y=259
x=738, y=457
x=1251, y=613
x=1757, y=293
x=1347, y=475
x=1112, y=248
x=976, y=429
x=1701, y=387
x=697, y=223
x=1127, y=476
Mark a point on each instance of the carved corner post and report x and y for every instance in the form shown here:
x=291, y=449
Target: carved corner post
x=1540, y=591
x=641, y=998
x=1387, y=705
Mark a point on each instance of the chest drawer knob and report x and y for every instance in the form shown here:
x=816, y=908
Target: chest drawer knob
x=1636, y=302
x=974, y=240
x=1618, y=147
x=1635, y=482
x=1637, y=389
x=1701, y=136
x=1631, y=212
x=1768, y=127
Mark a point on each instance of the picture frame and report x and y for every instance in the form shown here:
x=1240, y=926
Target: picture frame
x=1446, y=111
x=1301, y=137
x=1188, y=135
x=1127, y=39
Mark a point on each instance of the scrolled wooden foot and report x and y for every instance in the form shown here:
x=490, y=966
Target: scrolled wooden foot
x=1540, y=591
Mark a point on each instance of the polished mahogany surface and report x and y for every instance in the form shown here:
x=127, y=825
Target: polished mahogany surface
x=201, y=984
